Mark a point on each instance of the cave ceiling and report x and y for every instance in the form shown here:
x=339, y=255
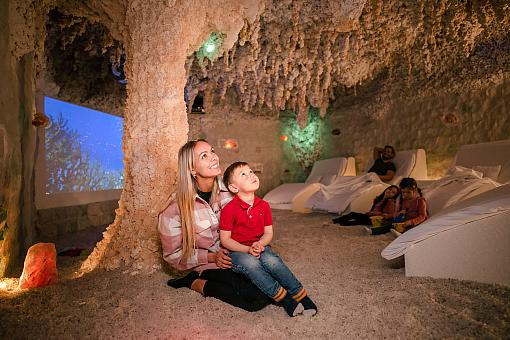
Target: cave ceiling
x=85, y=61
x=301, y=53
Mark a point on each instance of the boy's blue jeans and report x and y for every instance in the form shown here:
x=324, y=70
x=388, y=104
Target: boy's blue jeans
x=268, y=272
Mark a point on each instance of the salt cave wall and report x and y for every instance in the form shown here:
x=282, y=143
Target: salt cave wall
x=440, y=122
x=54, y=223
x=17, y=140
x=78, y=54
x=264, y=140
x=448, y=88
x=256, y=138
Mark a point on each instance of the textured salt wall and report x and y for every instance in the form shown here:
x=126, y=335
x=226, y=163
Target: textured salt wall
x=78, y=54
x=256, y=137
x=17, y=60
x=160, y=37
x=57, y=222
x=439, y=123
x=11, y=160
x=448, y=87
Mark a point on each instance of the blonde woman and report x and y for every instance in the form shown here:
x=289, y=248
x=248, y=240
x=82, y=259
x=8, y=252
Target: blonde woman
x=189, y=231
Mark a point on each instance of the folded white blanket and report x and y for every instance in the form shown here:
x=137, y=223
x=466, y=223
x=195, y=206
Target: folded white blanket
x=337, y=196
x=459, y=184
x=487, y=204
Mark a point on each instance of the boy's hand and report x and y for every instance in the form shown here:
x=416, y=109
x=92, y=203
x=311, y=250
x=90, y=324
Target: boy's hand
x=253, y=251
x=259, y=247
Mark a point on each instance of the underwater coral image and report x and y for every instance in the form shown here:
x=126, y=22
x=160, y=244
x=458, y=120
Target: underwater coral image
x=83, y=149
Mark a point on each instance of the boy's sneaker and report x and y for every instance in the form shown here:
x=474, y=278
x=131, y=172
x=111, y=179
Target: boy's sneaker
x=310, y=309
x=291, y=306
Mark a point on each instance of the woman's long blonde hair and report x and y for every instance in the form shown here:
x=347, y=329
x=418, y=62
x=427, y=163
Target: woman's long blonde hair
x=186, y=191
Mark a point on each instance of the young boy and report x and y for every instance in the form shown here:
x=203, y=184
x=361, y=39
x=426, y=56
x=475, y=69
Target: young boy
x=246, y=230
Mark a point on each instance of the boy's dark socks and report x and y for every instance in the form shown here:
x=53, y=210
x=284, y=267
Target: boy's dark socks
x=184, y=281
x=310, y=309
x=291, y=306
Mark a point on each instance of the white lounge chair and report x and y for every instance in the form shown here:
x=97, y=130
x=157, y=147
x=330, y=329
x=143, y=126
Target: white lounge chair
x=467, y=235
x=469, y=240
x=491, y=158
x=357, y=193
x=323, y=171
x=476, y=168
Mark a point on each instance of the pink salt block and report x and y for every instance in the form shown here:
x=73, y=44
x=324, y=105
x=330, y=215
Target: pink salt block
x=40, y=266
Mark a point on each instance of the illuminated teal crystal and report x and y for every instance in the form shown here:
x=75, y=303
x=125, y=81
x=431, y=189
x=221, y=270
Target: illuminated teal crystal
x=305, y=145
x=210, y=49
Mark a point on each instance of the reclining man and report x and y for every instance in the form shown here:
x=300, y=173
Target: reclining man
x=383, y=166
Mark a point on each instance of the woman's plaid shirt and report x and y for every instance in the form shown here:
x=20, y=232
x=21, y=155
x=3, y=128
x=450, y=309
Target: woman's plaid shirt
x=206, y=223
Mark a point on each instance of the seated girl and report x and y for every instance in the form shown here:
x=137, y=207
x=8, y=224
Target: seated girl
x=384, y=205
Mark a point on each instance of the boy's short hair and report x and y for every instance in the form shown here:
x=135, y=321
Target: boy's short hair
x=408, y=183
x=227, y=175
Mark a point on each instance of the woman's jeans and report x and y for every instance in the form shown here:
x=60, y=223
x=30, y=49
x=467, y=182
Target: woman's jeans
x=268, y=272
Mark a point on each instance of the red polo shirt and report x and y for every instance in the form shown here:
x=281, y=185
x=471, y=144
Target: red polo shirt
x=244, y=221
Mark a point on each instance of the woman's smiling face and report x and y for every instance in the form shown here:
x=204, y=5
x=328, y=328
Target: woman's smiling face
x=207, y=163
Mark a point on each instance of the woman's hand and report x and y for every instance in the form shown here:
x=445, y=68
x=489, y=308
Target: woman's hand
x=222, y=260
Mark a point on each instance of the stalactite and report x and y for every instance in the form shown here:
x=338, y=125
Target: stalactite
x=279, y=61
x=298, y=52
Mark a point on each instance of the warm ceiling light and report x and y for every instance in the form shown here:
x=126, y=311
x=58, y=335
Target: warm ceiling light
x=230, y=144
x=284, y=138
